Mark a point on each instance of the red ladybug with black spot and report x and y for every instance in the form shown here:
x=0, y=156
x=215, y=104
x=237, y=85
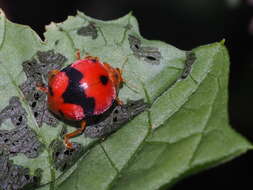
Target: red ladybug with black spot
x=85, y=88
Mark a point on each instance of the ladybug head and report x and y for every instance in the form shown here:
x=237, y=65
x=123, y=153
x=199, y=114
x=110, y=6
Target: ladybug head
x=115, y=75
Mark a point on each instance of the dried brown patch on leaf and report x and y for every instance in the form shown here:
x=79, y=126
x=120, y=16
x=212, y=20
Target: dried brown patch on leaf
x=64, y=158
x=149, y=54
x=36, y=71
x=14, y=177
x=21, y=139
x=120, y=115
x=110, y=122
x=89, y=30
x=190, y=59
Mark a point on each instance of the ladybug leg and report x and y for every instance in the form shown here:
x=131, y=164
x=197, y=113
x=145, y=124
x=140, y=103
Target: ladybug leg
x=52, y=73
x=42, y=88
x=68, y=136
x=78, y=56
x=118, y=101
x=92, y=58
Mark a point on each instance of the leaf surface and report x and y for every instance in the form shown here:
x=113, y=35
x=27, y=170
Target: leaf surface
x=185, y=130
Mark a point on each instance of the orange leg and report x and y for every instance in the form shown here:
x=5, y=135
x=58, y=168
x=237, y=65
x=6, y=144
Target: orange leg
x=78, y=56
x=119, y=102
x=42, y=88
x=68, y=136
x=92, y=58
x=52, y=73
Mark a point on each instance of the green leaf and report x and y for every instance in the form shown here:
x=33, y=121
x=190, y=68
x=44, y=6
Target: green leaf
x=185, y=130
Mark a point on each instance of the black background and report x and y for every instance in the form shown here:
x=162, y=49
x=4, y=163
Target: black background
x=184, y=24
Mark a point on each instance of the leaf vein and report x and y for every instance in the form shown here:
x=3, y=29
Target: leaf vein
x=109, y=159
x=205, y=126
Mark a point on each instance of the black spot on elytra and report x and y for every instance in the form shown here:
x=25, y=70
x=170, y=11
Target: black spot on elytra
x=75, y=94
x=104, y=79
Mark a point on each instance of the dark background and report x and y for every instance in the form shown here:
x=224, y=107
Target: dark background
x=184, y=24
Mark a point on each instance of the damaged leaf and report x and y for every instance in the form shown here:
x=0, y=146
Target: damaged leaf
x=149, y=54
x=89, y=30
x=16, y=177
x=119, y=115
x=36, y=71
x=184, y=129
x=19, y=140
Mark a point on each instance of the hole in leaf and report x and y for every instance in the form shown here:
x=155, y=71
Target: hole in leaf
x=34, y=104
x=56, y=42
x=115, y=119
x=67, y=152
x=57, y=154
x=64, y=166
x=27, y=177
x=36, y=96
x=151, y=58
x=35, y=114
x=20, y=118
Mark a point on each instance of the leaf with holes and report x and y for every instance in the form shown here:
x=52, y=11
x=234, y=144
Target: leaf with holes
x=185, y=129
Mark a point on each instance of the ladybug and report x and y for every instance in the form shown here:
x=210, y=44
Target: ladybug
x=83, y=89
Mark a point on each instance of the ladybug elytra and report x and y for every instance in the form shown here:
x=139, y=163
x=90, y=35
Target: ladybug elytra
x=85, y=88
